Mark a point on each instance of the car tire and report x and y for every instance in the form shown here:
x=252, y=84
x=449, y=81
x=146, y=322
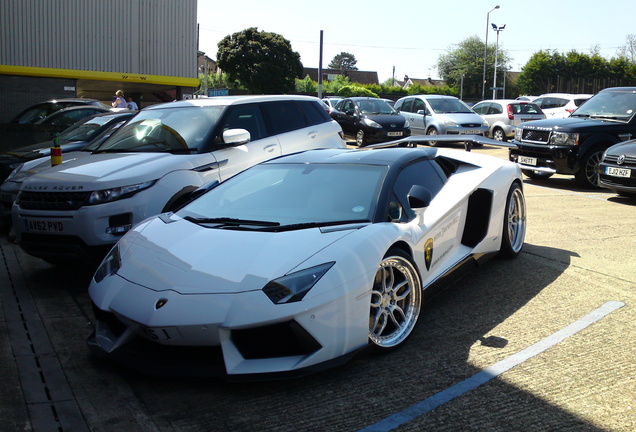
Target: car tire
x=587, y=175
x=396, y=300
x=361, y=139
x=499, y=135
x=514, y=226
x=537, y=175
x=432, y=131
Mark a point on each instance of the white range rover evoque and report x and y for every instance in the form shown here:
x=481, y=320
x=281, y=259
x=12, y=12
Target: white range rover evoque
x=79, y=209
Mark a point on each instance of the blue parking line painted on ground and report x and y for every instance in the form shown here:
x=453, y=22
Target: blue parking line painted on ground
x=491, y=372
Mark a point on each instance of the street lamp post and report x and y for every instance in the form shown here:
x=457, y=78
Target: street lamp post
x=494, y=80
x=483, y=81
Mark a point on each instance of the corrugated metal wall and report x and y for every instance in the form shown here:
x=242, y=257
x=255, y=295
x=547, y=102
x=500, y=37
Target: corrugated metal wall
x=155, y=37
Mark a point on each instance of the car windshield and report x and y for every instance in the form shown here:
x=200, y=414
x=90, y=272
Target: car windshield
x=292, y=195
x=177, y=130
x=611, y=105
x=84, y=130
x=375, y=106
x=449, y=106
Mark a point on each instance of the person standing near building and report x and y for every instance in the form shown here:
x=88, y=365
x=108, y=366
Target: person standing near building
x=119, y=101
x=132, y=105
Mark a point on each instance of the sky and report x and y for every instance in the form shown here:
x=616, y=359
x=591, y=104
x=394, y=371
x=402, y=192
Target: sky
x=407, y=37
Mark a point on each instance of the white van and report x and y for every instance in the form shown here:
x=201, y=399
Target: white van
x=79, y=209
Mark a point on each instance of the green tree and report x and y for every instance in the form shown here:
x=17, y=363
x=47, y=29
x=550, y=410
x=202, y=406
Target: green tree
x=467, y=59
x=262, y=62
x=343, y=62
x=306, y=85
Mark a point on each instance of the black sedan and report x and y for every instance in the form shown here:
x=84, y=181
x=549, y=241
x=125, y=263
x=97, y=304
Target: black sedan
x=370, y=120
x=617, y=170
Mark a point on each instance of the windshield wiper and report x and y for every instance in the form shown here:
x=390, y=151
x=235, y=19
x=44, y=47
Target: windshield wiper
x=306, y=225
x=231, y=221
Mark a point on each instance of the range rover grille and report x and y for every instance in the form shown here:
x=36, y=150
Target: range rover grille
x=53, y=200
x=538, y=136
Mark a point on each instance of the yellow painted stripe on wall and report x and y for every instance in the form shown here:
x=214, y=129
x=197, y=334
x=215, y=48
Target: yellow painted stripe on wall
x=100, y=76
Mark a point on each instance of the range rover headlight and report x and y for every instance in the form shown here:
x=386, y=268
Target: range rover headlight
x=518, y=133
x=109, y=266
x=564, y=139
x=293, y=287
x=114, y=194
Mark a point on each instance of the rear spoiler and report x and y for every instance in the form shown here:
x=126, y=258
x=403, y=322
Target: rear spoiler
x=468, y=140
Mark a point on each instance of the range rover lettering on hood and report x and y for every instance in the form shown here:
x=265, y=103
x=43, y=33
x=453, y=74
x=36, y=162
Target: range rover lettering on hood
x=53, y=188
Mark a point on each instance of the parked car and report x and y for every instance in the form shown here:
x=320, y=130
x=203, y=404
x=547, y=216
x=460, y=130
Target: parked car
x=575, y=145
x=37, y=112
x=299, y=263
x=86, y=135
x=331, y=101
x=526, y=98
x=503, y=115
x=617, y=170
x=150, y=165
x=370, y=120
x=560, y=105
x=19, y=135
x=439, y=114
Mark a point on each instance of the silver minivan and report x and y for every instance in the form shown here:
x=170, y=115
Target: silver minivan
x=440, y=114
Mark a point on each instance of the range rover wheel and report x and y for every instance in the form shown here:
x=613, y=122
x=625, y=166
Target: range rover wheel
x=587, y=175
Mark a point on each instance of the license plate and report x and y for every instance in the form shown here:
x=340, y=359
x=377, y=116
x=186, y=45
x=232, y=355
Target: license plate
x=618, y=172
x=159, y=333
x=525, y=160
x=394, y=134
x=44, y=226
x=470, y=132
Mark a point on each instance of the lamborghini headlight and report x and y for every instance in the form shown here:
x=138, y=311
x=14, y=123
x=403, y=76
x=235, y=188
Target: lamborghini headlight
x=564, y=139
x=109, y=266
x=293, y=287
x=114, y=194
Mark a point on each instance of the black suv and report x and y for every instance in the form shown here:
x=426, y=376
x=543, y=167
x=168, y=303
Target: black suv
x=575, y=144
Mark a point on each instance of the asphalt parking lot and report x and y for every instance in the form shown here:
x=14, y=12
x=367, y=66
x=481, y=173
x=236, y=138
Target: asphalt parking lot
x=546, y=342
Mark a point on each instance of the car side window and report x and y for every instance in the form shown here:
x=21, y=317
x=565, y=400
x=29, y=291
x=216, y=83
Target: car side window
x=284, y=117
x=314, y=112
x=495, y=109
x=418, y=105
x=246, y=117
x=481, y=109
x=424, y=173
x=407, y=105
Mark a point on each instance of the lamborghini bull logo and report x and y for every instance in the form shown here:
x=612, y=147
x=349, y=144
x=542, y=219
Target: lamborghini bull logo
x=428, y=253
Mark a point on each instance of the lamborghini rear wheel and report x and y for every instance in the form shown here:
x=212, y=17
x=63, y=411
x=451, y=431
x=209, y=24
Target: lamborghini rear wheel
x=396, y=299
x=514, y=230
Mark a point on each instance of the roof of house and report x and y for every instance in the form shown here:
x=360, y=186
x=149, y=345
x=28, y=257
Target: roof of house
x=361, y=77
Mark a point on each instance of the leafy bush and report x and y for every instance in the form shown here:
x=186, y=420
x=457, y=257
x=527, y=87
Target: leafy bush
x=355, y=90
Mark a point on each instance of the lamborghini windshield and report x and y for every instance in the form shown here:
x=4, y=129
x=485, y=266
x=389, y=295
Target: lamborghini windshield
x=176, y=130
x=290, y=195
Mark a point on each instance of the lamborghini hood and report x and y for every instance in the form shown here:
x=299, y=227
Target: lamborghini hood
x=191, y=259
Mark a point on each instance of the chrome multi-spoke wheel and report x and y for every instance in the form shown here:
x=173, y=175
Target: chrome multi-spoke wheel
x=514, y=230
x=396, y=299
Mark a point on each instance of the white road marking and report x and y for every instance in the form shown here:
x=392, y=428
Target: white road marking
x=491, y=372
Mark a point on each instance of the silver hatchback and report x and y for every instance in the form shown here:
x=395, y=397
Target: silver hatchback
x=504, y=115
